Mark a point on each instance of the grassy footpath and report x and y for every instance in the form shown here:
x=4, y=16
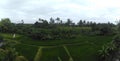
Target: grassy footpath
x=83, y=48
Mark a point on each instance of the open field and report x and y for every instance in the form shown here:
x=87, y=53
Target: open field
x=83, y=48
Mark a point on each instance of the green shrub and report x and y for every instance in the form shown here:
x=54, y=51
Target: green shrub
x=2, y=54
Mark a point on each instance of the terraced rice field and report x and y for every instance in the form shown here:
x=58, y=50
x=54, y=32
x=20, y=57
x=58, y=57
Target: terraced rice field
x=83, y=48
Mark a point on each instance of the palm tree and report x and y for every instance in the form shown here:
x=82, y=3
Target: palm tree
x=111, y=46
x=103, y=53
x=58, y=20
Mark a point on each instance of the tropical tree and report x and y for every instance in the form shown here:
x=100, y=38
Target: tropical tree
x=52, y=21
x=69, y=22
x=116, y=39
x=103, y=53
x=41, y=23
x=80, y=23
x=105, y=29
x=107, y=51
x=6, y=25
x=58, y=20
x=84, y=23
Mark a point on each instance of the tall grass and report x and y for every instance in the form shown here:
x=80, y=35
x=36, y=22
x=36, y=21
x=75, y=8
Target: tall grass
x=82, y=48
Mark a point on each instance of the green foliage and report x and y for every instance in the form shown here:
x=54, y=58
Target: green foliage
x=5, y=21
x=11, y=54
x=59, y=33
x=59, y=59
x=105, y=30
x=104, y=51
x=6, y=25
x=52, y=21
x=38, y=55
x=69, y=22
x=2, y=54
x=23, y=28
x=52, y=49
x=42, y=30
x=116, y=39
x=41, y=23
x=102, y=29
x=80, y=23
x=20, y=58
x=52, y=34
x=8, y=54
x=70, y=59
x=107, y=51
x=111, y=47
x=1, y=38
x=118, y=27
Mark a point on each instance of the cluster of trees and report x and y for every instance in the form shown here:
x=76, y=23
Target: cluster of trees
x=110, y=51
x=8, y=52
x=56, y=28
x=6, y=25
x=103, y=29
x=51, y=34
x=41, y=23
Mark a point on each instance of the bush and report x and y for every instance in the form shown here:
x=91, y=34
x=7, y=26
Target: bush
x=20, y=58
x=116, y=40
x=52, y=34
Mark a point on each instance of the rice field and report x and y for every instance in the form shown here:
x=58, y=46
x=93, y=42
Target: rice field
x=82, y=48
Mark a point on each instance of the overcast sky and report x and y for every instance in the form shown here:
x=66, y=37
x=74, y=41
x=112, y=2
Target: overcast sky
x=31, y=10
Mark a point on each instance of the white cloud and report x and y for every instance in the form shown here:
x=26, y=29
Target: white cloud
x=29, y=10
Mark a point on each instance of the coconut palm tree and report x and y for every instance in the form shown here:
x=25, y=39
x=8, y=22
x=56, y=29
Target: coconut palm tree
x=103, y=53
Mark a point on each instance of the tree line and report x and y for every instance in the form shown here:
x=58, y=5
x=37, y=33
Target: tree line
x=56, y=28
x=44, y=30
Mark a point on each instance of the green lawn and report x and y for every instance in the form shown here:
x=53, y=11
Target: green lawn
x=83, y=48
